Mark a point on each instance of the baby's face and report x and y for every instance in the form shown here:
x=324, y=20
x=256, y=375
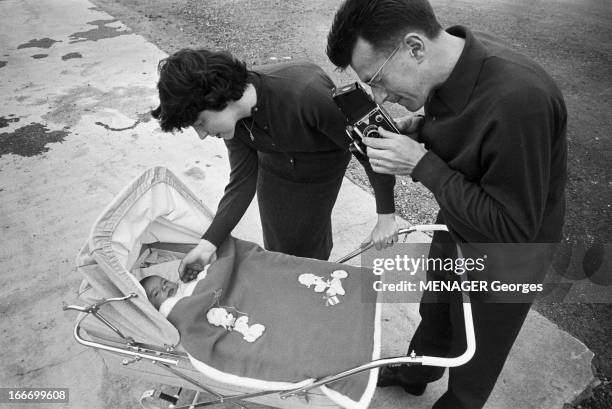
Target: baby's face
x=158, y=289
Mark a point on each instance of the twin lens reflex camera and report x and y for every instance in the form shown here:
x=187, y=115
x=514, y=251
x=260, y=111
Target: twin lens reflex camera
x=363, y=115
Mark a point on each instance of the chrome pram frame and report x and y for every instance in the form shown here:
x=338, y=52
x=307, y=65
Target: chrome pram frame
x=168, y=358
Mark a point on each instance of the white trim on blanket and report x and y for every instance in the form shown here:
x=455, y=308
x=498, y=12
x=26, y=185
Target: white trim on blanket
x=236, y=380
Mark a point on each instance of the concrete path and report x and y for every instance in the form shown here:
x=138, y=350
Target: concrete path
x=75, y=89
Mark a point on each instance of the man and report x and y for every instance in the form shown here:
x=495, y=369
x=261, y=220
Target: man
x=491, y=147
x=286, y=140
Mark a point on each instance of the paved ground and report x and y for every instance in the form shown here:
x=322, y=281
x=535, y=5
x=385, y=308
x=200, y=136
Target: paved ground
x=76, y=87
x=571, y=39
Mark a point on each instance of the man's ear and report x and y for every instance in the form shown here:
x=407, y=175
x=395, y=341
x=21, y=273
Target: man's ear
x=416, y=45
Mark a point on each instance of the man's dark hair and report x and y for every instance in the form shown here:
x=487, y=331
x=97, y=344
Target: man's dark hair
x=382, y=23
x=192, y=80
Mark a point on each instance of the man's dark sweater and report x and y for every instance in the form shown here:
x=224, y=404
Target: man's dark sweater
x=495, y=131
x=496, y=163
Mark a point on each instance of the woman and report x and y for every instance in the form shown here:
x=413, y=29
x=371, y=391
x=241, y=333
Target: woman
x=286, y=140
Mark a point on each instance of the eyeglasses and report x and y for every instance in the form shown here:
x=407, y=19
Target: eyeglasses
x=372, y=81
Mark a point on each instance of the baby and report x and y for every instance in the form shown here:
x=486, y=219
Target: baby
x=158, y=289
x=164, y=293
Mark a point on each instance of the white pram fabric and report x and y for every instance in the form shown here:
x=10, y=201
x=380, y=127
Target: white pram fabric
x=155, y=207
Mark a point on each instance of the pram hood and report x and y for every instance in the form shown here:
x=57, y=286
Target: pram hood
x=155, y=207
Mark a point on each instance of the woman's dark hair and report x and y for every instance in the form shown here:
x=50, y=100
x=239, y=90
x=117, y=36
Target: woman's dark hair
x=380, y=22
x=192, y=80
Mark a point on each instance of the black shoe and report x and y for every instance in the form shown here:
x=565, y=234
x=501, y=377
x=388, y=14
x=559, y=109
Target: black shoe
x=386, y=377
x=390, y=377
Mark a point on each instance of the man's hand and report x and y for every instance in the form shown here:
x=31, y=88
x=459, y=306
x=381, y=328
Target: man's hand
x=195, y=261
x=410, y=124
x=393, y=153
x=384, y=233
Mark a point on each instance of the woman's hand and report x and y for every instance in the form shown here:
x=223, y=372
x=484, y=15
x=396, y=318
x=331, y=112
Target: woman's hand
x=195, y=261
x=384, y=233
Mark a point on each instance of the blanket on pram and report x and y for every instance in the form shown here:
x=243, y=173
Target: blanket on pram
x=307, y=319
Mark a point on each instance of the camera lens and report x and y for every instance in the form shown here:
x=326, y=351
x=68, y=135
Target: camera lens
x=371, y=132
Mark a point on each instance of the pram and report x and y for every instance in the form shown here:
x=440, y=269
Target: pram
x=158, y=211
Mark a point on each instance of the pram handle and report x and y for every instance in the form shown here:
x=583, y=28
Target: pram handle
x=411, y=359
x=402, y=231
